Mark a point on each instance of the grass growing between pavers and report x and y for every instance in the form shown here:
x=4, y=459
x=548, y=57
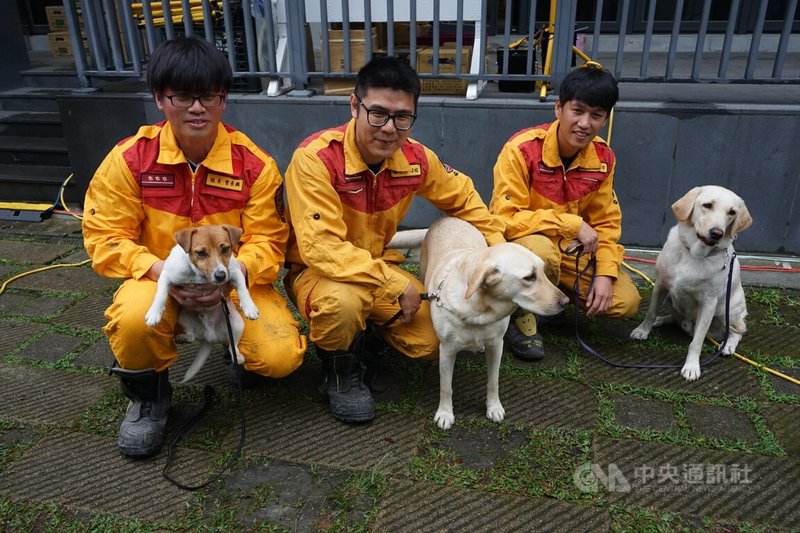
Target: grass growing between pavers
x=683, y=434
x=527, y=462
x=15, y=438
x=626, y=519
x=52, y=517
x=86, y=337
x=772, y=306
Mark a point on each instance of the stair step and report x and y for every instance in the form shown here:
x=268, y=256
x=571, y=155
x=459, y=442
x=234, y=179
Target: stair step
x=31, y=123
x=34, y=174
x=33, y=150
x=32, y=99
x=23, y=183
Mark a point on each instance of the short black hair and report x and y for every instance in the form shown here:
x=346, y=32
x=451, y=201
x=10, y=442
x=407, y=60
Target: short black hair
x=594, y=86
x=389, y=72
x=189, y=65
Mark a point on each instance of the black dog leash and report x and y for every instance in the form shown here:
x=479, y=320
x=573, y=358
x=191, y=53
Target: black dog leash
x=208, y=399
x=576, y=249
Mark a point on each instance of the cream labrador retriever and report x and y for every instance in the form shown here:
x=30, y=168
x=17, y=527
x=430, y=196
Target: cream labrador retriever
x=473, y=289
x=692, y=272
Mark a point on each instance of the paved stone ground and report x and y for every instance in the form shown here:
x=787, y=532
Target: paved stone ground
x=585, y=446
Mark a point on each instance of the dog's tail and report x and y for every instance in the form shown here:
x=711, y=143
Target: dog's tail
x=410, y=238
x=202, y=354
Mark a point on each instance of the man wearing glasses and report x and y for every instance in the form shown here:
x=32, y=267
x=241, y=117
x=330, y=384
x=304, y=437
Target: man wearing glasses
x=189, y=170
x=348, y=188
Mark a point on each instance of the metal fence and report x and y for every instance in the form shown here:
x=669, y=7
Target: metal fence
x=281, y=45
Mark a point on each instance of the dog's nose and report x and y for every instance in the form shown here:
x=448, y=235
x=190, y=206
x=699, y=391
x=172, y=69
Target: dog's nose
x=220, y=276
x=715, y=234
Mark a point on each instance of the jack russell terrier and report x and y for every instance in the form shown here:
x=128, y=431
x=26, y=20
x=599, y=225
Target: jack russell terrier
x=204, y=255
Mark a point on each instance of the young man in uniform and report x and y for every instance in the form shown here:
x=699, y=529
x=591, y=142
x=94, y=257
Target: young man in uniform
x=189, y=170
x=553, y=185
x=348, y=188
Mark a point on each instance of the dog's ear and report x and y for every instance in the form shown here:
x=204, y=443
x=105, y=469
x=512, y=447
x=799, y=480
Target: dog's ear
x=184, y=238
x=234, y=233
x=742, y=221
x=683, y=207
x=486, y=275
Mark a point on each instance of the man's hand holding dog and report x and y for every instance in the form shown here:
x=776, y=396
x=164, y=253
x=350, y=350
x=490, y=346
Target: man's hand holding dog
x=409, y=301
x=194, y=297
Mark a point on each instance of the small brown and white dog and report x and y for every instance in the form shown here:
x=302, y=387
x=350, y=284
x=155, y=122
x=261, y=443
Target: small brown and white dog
x=204, y=255
x=692, y=272
x=473, y=289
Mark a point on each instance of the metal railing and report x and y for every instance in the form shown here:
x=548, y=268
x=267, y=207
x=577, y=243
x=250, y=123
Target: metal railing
x=279, y=45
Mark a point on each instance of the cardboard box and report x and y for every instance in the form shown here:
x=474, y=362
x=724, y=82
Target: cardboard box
x=402, y=33
x=447, y=65
x=358, y=48
x=56, y=18
x=338, y=86
x=60, y=44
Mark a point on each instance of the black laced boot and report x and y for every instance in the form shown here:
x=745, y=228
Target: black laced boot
x=141, y=432
x=349, y=397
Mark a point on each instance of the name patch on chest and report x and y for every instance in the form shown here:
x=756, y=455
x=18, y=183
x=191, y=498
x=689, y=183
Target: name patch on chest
x=229, y=183
x=149, y=179
x=544, y=169
x=413, y=170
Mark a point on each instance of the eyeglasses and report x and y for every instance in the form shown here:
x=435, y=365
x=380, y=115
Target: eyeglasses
x=185, y=101
x=377, y=119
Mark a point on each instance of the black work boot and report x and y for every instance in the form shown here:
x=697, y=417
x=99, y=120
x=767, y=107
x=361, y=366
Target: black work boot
x=349, y=398
x=237, y=375
x=526, y=342
x=141, y=432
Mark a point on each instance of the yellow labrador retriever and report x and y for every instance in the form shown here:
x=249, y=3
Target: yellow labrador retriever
x=473, y=289
x=692, y=272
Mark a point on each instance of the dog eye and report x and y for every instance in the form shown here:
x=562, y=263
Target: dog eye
x=201, y=254
x=531, y=277
x=225, y=250
x=708, y=205
x=732, y=212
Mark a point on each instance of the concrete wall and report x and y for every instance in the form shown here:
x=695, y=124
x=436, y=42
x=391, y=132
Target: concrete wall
x=663, y=149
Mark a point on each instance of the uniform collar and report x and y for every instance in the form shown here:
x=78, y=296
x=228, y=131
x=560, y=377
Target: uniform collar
x=586, y=158
x=218, y=158
x=353, y=162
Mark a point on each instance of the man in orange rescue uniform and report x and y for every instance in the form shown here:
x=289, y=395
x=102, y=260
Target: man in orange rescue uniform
x=348, y=188
x=554, y=184
x=189, y=170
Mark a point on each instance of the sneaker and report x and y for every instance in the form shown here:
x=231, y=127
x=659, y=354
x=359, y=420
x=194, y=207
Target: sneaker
x=349, y=397
x=141, y=432
x=526, y=342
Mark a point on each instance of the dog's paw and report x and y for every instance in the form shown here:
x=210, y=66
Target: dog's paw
x=495, y=412
x=640, y=333
x=444, y=419
x=250, y=311
x=690, y=371
x=152, y=318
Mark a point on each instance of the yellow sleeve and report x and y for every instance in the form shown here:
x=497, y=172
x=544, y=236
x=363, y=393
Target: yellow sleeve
x=511, y=201
x=602, y=212
x=317, y=218
x=112, y=219
x=266, y=228
x=454, y=193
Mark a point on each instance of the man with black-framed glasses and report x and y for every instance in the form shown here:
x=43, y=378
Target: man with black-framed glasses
x=348, y=189
x=189, y=170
